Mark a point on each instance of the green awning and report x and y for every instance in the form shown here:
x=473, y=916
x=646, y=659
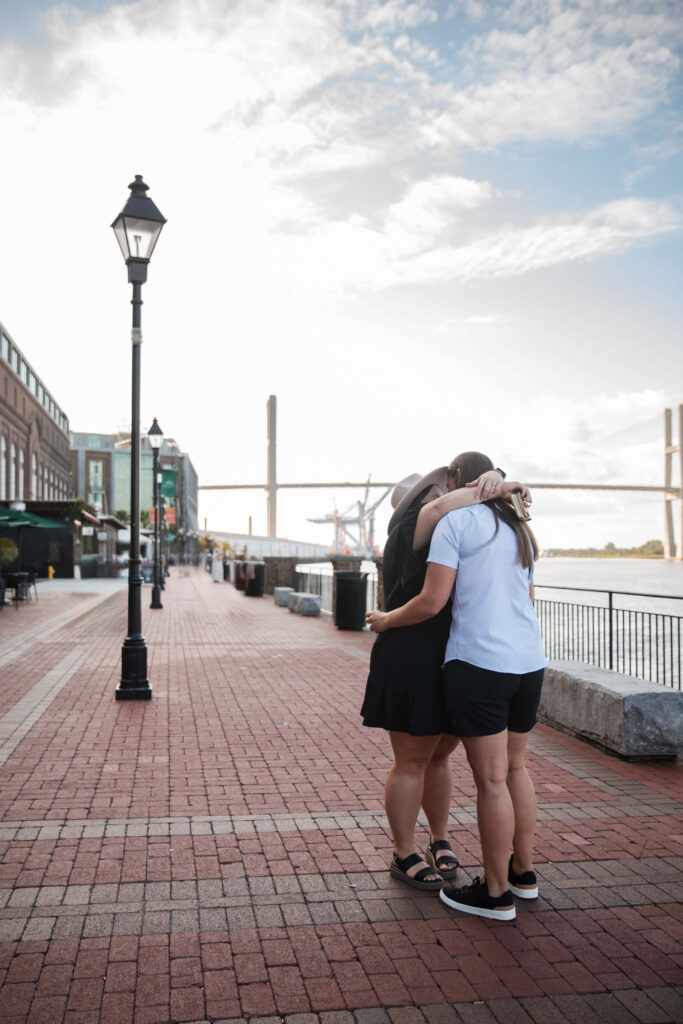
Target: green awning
x=13, y=518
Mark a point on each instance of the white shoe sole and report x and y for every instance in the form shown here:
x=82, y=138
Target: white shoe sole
x=466, y=908
x=524, y=894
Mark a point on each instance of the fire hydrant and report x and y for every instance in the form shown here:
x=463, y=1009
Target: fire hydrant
x=50, y=572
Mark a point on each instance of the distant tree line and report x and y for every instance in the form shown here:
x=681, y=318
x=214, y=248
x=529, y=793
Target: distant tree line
x=650, y=549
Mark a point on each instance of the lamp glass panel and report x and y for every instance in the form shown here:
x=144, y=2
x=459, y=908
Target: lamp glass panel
x=141, y=236
x=155, y=440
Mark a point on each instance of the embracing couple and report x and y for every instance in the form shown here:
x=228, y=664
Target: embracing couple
x=459, y=658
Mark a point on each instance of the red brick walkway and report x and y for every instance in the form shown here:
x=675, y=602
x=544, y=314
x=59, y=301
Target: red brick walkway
x=220, y=852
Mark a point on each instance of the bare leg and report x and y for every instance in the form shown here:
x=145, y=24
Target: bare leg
x=404, y=791
x=523, y=795
x=438, y=784
x=488, y=760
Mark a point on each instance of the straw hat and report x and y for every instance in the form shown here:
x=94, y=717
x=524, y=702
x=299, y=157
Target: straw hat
x=405, y=492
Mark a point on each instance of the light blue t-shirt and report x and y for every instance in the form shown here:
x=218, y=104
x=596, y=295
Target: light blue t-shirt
x=494, y=623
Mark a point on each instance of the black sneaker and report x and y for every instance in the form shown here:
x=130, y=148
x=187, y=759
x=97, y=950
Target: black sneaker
x=525, y=885
x=475, y=899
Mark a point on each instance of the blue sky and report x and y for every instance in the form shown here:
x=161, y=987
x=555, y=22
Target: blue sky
x=426, y=226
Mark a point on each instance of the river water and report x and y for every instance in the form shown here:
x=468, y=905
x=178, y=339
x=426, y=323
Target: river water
x=637, y=575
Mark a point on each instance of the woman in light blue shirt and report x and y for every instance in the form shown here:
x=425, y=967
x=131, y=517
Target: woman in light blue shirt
x=492, y=679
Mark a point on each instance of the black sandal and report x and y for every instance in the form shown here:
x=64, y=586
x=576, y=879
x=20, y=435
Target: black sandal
x=399, y=868
x=447, y=863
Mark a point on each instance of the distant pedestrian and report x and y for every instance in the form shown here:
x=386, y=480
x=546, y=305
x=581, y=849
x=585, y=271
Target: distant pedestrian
x=216, y=567
x=492, y=679
x=404, y=692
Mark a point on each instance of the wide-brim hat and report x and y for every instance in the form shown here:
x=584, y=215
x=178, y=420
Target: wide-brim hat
x=405, y=492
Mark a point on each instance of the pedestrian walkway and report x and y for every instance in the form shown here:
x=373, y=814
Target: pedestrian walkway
x=220, y=852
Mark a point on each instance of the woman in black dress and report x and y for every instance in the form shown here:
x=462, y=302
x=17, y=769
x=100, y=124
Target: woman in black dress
x=404, y=691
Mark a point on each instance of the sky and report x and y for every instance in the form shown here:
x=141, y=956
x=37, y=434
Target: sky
x=427, y=227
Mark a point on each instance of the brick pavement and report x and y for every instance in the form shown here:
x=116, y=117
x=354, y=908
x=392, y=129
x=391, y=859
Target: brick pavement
x=220, y=852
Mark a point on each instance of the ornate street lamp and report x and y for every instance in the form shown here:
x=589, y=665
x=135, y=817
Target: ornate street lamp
x=155, y=436
x=137, y=229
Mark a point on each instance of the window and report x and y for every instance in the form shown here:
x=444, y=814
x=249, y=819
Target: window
x=5, y=349
x=13, y=472
x=32, y=382
x=3, y=468
x=14, y=360
x=96, y=482
x=41, y=393
x=44, y=488
x=34, y=477
x=23, y=371
x=94, y=441
x=22, y=494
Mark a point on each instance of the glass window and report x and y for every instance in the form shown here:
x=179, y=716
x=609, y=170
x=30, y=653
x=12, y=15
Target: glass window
x=96, y=483
x=5, y=349
x=3, y=468
x=23, y=371
x=14, y=360
x=22, y=494
x=34, y=477
x=121, y=497
x=41, y=393
x=13, y=473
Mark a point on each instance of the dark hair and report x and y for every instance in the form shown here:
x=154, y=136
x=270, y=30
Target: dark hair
x=468, y=466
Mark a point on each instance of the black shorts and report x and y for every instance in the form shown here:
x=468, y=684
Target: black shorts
x=480, y=702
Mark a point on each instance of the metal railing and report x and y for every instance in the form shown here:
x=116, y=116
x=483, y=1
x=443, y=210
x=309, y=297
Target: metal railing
x=314, y=580
x=638, y=642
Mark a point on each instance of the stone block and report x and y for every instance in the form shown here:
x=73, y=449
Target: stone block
x=304, y=604
x=633, y=718
x=309, y=604
x=282, y=594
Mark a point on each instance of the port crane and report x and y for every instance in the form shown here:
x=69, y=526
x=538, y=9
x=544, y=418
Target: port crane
x=354, y=526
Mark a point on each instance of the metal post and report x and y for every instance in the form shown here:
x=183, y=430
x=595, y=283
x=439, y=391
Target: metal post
x=272, y=466
x=134, y=683
x=609, y=631
x=162, y=524
x=669, y=449
x=156, y=592
x=679, y=549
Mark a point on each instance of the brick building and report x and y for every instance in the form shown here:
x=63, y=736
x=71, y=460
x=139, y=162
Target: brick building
x=34, y=432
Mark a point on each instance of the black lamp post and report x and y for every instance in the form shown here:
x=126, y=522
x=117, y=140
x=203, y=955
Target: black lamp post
x=137, y=229
x=163, y=533
x=155, y=436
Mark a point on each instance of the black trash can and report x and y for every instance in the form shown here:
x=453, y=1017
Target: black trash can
x=255, y=583
x=239, y=575
x=349, y=610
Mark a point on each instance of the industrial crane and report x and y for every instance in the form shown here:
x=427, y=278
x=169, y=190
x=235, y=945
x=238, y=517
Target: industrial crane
x=354, y=527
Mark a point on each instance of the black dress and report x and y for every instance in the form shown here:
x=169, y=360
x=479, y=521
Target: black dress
x=404, y=691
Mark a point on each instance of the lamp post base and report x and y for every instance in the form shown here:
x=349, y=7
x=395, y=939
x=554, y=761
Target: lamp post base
x=134, y=683
x=142, y=692
x=156, y=597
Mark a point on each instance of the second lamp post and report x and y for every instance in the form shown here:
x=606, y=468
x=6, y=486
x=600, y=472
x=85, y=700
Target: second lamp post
x=155, y=436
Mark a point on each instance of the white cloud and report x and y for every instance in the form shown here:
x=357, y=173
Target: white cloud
x=412, y=251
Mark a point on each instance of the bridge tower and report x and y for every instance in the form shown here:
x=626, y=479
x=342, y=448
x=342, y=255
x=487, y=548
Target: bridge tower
x=671, y=549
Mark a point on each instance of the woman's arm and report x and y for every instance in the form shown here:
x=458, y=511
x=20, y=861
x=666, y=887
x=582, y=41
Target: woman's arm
x=431, y=599
x=488, y=485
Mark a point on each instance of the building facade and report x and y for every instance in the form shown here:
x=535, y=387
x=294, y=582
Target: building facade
x=34, y=432
x=100, y=466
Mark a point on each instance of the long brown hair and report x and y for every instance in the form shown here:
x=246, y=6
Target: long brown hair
x=468, y=466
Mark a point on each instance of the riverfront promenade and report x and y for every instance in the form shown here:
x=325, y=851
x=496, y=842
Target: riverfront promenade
x=220, y=852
